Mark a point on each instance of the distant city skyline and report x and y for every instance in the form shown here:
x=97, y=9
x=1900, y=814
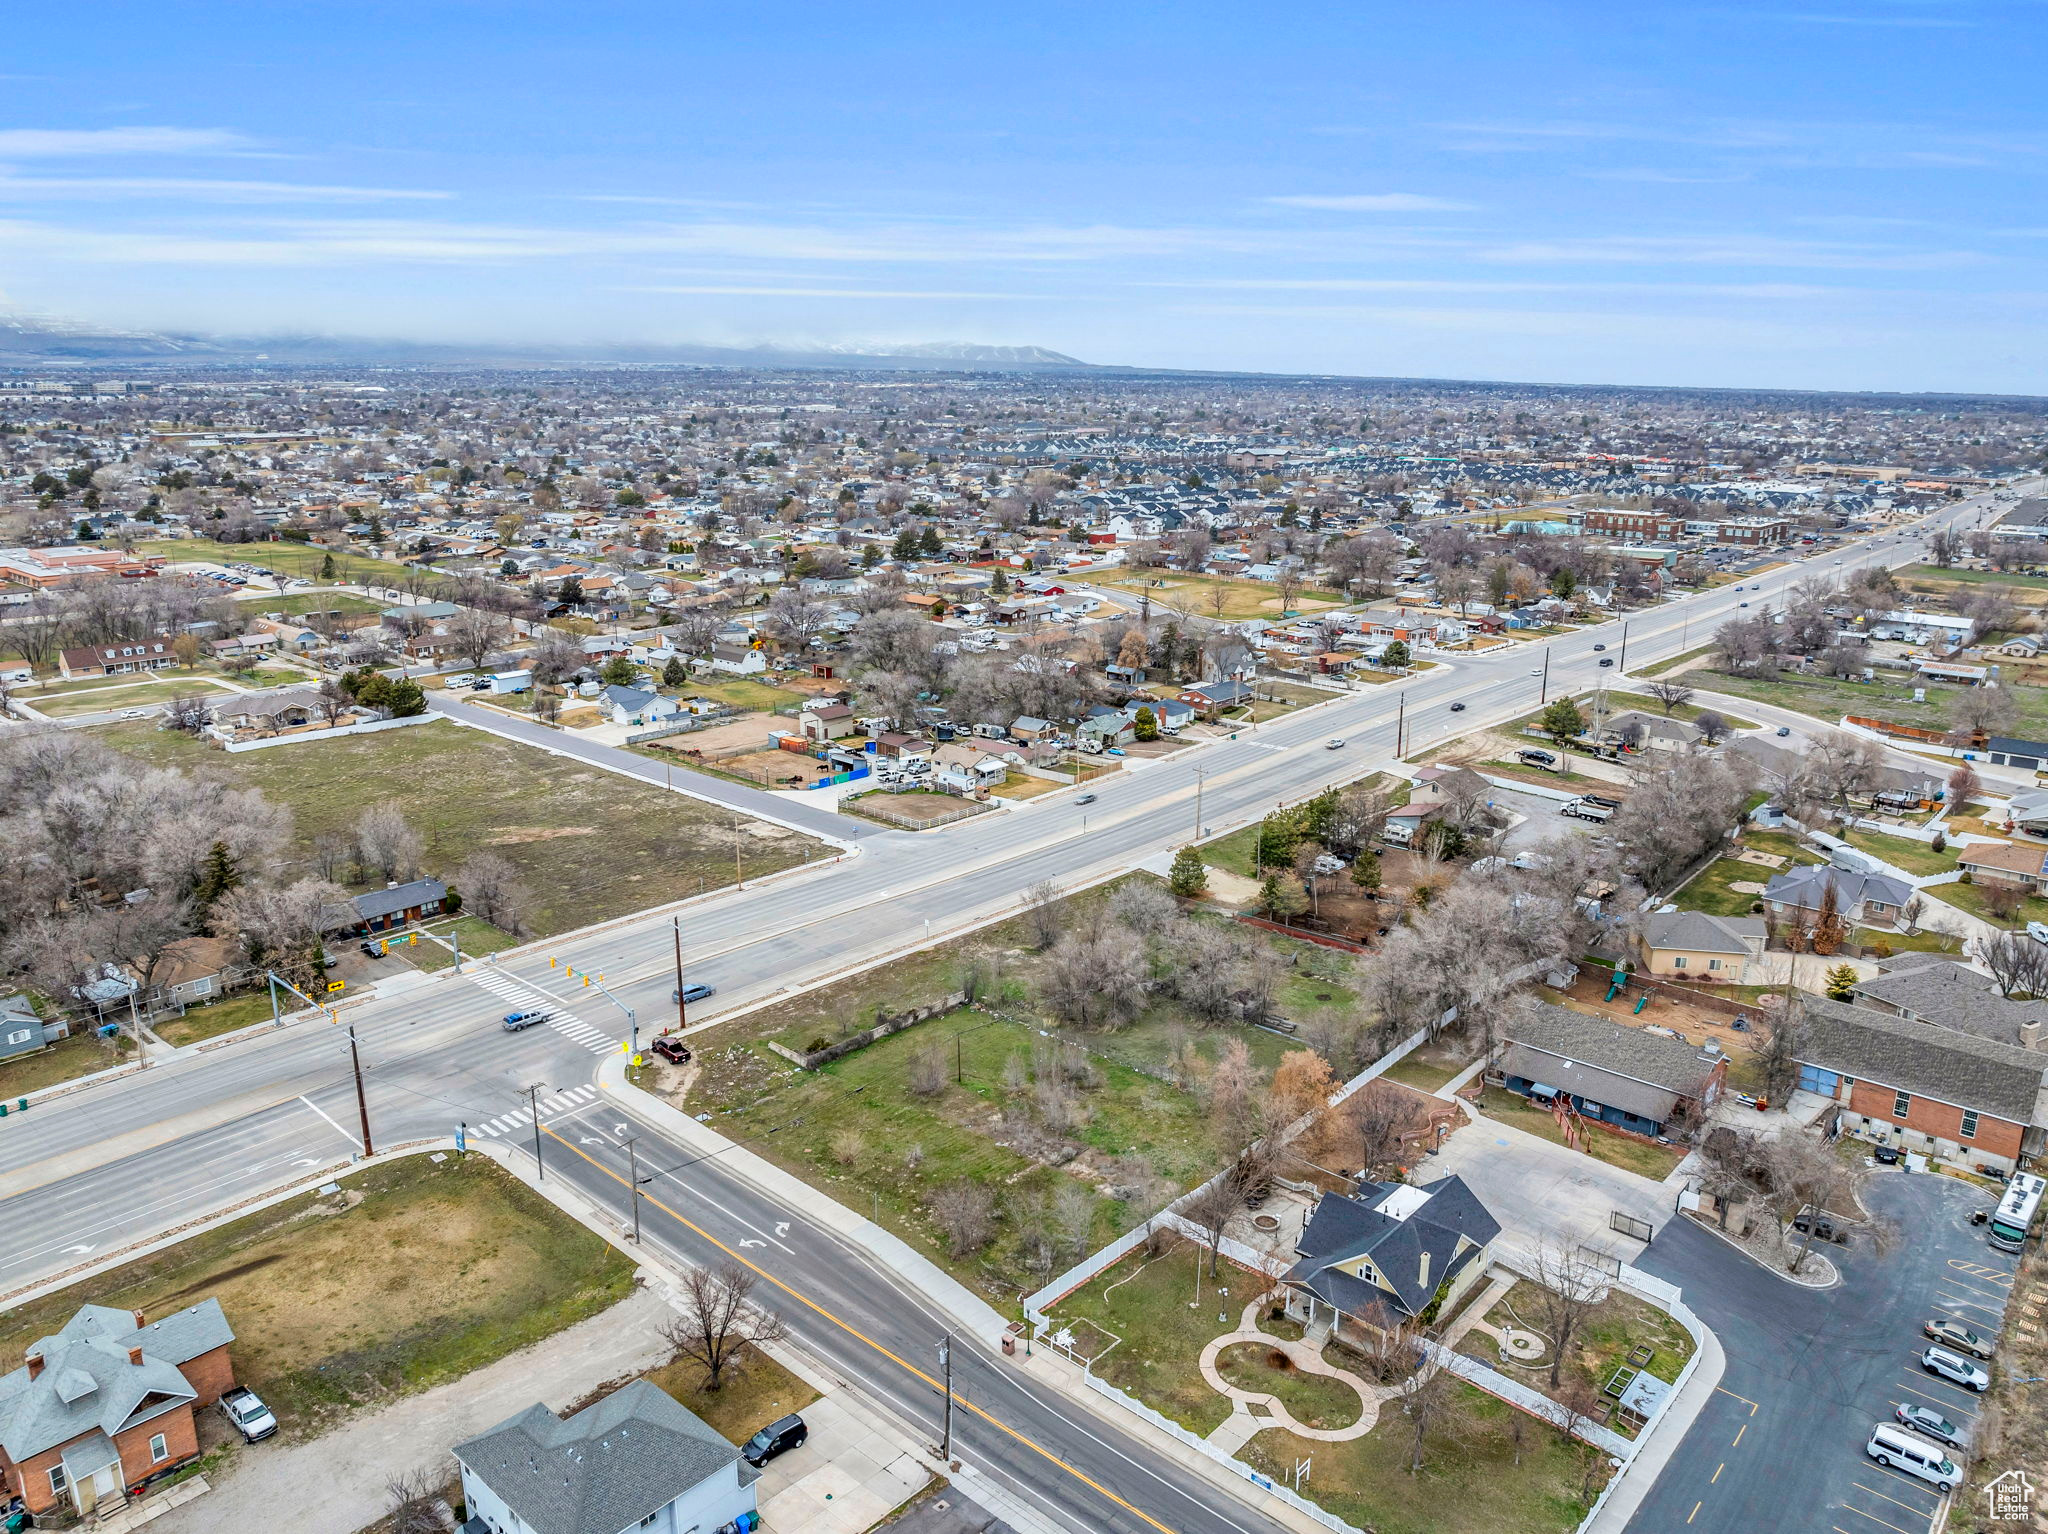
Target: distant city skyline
x=1755, y=195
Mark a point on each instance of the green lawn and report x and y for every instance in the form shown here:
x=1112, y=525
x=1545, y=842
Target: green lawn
x=225, y=1016
x=299, y=559
x=301, y=603
x=1923, y=941
x=1427, y=1067
x=79, y=1054
x=743, y=692
x=589, y=844
x=108, y=699
x=415, y=1274
x=1313, y=1400
x=1617, y=701
x=1970, y=897
x=1147, y=1304
x=1631, y=1155
x=1476, y=1479
x=472, y=934
x=1710, y=890
x=1915, y=857
x=1782, y=843
x=1939, y=579
x=1235, y=853
x=1829, y=698
x=1663, y=667
x=1191, y=593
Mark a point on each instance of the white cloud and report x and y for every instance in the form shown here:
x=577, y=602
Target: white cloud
x=65, y=143
x=764, y=292
x=117, y=188
x=1375, y=202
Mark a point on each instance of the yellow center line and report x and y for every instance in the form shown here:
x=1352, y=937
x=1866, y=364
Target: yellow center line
x=1717, y=1472
x=1738, y=1434
x=854, y=1331
x=1695, y=1511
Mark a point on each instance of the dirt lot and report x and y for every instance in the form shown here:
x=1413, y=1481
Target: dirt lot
x=746, y=730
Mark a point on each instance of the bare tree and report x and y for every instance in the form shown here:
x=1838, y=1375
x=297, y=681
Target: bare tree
x=1211, y=1207
x=1434, y=1404
x=280, y=926
x=412, y=1502
x=478, y=634
x=1569, y=1285
x=1963, y=786
x=333, y=700
x=386, y=841
x=928, y=1070
x=1376, y=1118
x=965, y=1213
x=1044, y=914
x=1095, y=979
x=492, y=889
x=717, y=1317
x=1712, y=727
x=2016, y=962
x=1670, y=692
x=188, y=715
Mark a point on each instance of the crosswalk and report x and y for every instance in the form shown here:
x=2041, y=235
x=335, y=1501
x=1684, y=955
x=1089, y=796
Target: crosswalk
x=525, y=997
x=510, y=1123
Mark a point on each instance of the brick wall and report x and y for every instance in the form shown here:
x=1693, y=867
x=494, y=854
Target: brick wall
x=211, y=1374
x=1930, y=1116
x=181, y=1437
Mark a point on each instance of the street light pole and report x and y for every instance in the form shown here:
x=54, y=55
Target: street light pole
x=1400, y=725
x=633, y=1174
x=1200, y=773
x=682, y=1012
x=946, y=1362
x=1623, y=663
x=540, y=1170
x=1544, y=695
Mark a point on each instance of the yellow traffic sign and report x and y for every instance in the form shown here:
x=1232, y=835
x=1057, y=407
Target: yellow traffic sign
x=335, y=985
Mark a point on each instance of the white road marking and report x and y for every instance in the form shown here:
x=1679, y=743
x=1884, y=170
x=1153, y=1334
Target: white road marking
x=358, y=1144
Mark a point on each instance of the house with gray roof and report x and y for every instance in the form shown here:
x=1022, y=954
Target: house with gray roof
x=107, y=1403
x=1626, y=1078
x=1695, y=947
x=1861, y=899
x=635, y=1460
x=21, y=1031
x=1951, y=995
x=1387, y=1255
x=1950, y=1094
x=393, y=906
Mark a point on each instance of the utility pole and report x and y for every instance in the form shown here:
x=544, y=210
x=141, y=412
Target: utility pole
x=738, y=879
x=540, y=1170
x=1400, y=725
x=1544, y=695
x=682, y=1012
x=1623, y=663
x=1200, y=773
x=946, y=1362
x=362, y=1103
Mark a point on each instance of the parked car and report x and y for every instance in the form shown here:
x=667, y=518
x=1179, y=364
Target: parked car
x=696, y=990
x=1952, y=1333
x=1783, y=730
x=245, y=1409
x=1888, y=1155
x=2038, y=931
x=1929, y=1423
x=1956, y=1369
x=778, y=1437
x=675, y=1051
x=1536, y=758
x=514, y=1021
x=370, y=950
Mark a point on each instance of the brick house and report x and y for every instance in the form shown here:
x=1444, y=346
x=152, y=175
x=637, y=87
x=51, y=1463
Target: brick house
x=116, y=659
x=2005, y=863
x=396, y=905
x=108, y=1403
x=1954, y=1095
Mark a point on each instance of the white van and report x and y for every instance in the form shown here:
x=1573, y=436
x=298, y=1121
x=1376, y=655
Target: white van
x=1898, y=1449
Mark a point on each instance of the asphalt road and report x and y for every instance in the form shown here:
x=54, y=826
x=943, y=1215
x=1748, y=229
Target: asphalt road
x=1780, y=1445
x=121, y=1161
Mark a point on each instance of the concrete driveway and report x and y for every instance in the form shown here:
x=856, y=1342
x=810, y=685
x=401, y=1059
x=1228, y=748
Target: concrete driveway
x=1543, y=1193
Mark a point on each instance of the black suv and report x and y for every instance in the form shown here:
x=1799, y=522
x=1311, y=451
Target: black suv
x=778, y=1437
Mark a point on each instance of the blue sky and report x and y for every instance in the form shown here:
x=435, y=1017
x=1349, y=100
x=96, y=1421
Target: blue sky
x=1795, y=193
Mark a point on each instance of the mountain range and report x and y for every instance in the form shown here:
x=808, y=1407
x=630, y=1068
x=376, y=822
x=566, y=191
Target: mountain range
x=26, y=338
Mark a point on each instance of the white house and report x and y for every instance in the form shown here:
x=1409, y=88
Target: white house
x=635, y=705
x=737, y=660
x=636, y=1460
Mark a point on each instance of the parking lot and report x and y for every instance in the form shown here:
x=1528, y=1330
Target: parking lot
x=1810, y=1372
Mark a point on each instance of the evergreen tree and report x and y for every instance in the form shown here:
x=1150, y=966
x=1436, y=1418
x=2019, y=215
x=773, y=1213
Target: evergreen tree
x=675, y=673
x=1841, y=982
x=1365, y=872
x=870, y=556
x=999, y=583
x=929, y=543
x=222, y=872
x=1281, y=896
x=1318, y=816
x=1395, y=656
x=327, y=567
x=1562, y=721
x=619, y=672
x=904, y=548
x=1188, y=877
x=406, y=700
x=1145, y=726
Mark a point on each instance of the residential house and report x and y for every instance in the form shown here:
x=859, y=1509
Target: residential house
x=118, y=659
x=1861, y=899
x=1696, y=947
x=1031, y=730
x=1623, y=1077
x=1388, y=1255
x=247, y=717
x=21, y=1031
x=2028, y=812
x=1951, y=1094
x=294, y=638
x=737, y=660
x=1208, y=697
x=107, y=1403
x=964, y=768
x=636, y=1460
x=2005, y=863
x=1650, y=732
x=1950, y=995
x=636, y=705
x=1100, y=731
x=396, y=905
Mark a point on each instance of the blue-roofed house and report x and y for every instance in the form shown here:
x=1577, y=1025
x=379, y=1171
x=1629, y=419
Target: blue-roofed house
x=1387, y=1256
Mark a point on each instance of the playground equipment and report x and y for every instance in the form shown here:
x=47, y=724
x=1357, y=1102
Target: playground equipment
x=1620, y=980
x=1641, y=1003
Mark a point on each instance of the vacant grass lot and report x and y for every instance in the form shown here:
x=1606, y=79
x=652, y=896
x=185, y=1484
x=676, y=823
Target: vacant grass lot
x=299, y=604
x=219, y=1017
x=414, y=1274
x=1192, y=594
x=1934, y=578
x=589, y=844
x=1665, y=667
x=79, y=1054
x=300, y=559
x=1475, y=1480
x=1829, y=698
x=742, y=692
x=1631, y=1155
x=756, y=1390
x=1915, y=857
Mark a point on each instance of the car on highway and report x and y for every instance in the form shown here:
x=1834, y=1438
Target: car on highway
x=1607, y=660
x=514, y=1021
x=675, y=1051
x=1085, y=799
x=137, y=713
x=245, y=1409
x=1599, y=647
x=1742, y=604
x=1952, y=1333
x=1956, y=1369
x=696, y=990
x=1457, y=708
x=1334, y=743
x=1783, y=731
x=1929, y=1423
